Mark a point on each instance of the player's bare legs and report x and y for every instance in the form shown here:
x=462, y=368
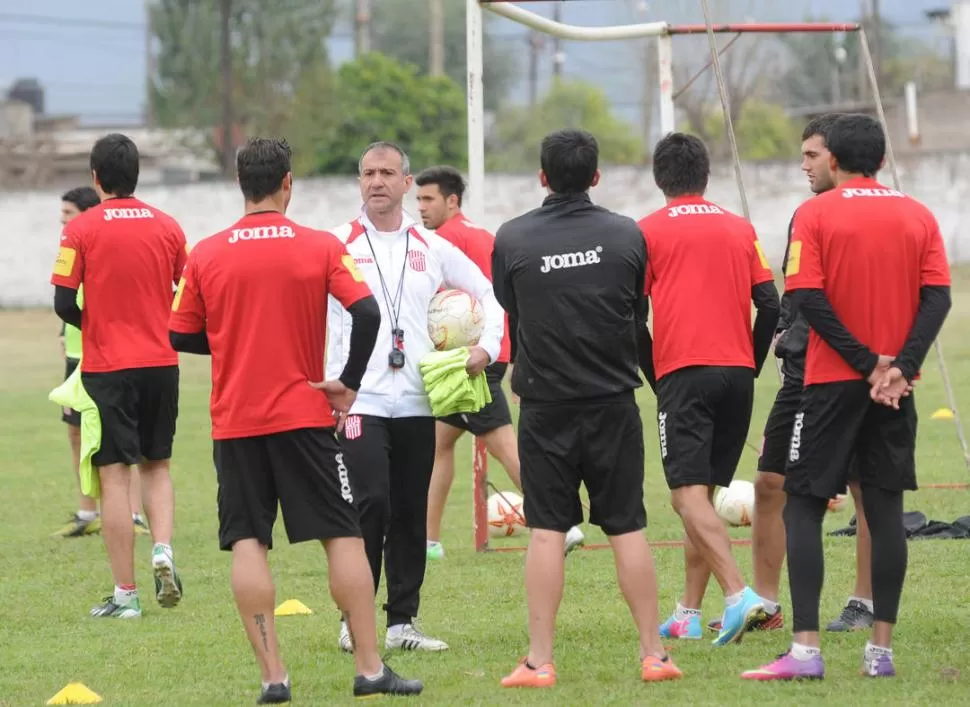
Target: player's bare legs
x=710, y=539
x=159, y=496
x=638, y=582
x=768, y=533
x=857, y=613
x=442, y=476
x=697, y=575
x=502, y=444
x=544, y=578
x=352, y=589
x=255, y=595
x=119, y=541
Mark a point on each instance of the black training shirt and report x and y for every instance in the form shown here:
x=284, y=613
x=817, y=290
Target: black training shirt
x=570, y=274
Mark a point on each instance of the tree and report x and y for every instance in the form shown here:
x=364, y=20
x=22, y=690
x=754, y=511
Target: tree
x=272, y=50
x=400, y=30
x=514, y=147
x=764, y=131
x=380, y=98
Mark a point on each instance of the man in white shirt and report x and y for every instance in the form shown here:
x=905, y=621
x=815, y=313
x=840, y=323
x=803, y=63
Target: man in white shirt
x=389, y=435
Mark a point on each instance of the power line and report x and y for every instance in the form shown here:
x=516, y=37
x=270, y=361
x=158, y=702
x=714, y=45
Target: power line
x=70, y=21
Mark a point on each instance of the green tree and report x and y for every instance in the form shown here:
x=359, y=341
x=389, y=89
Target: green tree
x=400, y=30
x=272, y=50
x=518, y=133
x=763, y=131
x=380, y=98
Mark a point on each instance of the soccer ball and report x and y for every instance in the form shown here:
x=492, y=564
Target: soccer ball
x=735, y=504
x=505, y=515
x=455, y=319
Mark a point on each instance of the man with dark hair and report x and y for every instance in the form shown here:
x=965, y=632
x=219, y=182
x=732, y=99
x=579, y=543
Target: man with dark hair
x=440, y=192
x=273, y=433
x=570, y=275
x=86, y=520
x=706, y=266
x=389, y=436
x=868, y=270
x=127, y=255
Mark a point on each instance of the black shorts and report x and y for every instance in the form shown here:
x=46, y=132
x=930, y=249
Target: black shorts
x=778, y=429
x=70, y=415
x=598, y=443
x=703, y=415
x=138, y=408
x=491, y=417
x=837, y=421
x=301, y=471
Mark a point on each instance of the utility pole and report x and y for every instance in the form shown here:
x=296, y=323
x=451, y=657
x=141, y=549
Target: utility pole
x=225, y=52
x=559, y=57
x=536, y=43
x=149, y=68
x=436, y=40
x=362, y=27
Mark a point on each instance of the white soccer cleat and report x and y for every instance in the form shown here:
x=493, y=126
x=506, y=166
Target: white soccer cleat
x=409, y=638
x=346, y=645
x=574, y=539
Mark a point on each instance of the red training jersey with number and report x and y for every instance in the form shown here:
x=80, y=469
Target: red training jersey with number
x=477, y=244
x=128, y=255
x=702, y=262
x=870, y=249
x=259, y=289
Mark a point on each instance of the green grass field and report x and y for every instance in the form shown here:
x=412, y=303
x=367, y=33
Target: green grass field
x=198, y=654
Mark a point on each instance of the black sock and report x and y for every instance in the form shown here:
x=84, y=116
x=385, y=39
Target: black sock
x=806, y=562
x=884, y=514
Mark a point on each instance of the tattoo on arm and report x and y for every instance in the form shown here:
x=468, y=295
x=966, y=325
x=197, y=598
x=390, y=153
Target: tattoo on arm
x=261, y=623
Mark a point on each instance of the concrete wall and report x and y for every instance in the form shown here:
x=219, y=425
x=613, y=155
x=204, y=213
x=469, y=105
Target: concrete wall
x=29, y=227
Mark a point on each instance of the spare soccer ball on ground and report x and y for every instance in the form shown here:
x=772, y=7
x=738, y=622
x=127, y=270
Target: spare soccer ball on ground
x=505, y=515
x=455, y=319
x=735, y=504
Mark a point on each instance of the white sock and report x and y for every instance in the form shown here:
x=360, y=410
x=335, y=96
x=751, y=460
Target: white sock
x=800, y=652
x=876, y=651
x=434, y=543
x=136, y=516
x=395, y=631
x=167, y=549
x=286, y=681
x=87, y=516
x=734, y=599
x=375, y=678
x=123, y=597
x=682, y=612
x=865, y=602
x=771, y=607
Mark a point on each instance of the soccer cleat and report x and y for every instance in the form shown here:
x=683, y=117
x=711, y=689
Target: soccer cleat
x=436, y=551
x=654, y=669
x=525, y=676
x=77, y=528
x=168, y=584
x=688, y=627
x=855, y=616
x=110, y=610
x=276, y=693
x=574, y=539
x=740, y=617
x=141, y=527
x=785, y=667
x=410, y=639
x=344, y=641
x=771, y=622
x=389, y=683
x=878, y=665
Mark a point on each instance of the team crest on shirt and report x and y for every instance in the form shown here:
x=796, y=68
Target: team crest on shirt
x=417, y=260
x=353, y=427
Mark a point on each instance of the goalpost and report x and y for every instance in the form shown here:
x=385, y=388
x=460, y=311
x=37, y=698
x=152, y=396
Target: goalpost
x=664, y=34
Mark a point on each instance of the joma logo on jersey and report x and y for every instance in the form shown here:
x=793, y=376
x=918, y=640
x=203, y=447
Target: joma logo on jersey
x=850, y=193
x=570, y=260
x=693, y=210
x=261, y=233
x=111, y=214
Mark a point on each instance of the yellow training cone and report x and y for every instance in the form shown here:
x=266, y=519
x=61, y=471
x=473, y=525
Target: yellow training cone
x=75, y=693
x=292, y=607
x=943, y=414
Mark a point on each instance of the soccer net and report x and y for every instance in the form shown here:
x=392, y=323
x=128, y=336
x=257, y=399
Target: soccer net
x=669, y=95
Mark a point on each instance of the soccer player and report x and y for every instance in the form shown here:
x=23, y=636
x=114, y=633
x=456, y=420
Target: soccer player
x=868, y=271
x=86, y=520
x=440, y=192
x=705, y=268
x=768, y=528
x=127, y=255
x=389, y=436
x=254, y=296
x=570, y=275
